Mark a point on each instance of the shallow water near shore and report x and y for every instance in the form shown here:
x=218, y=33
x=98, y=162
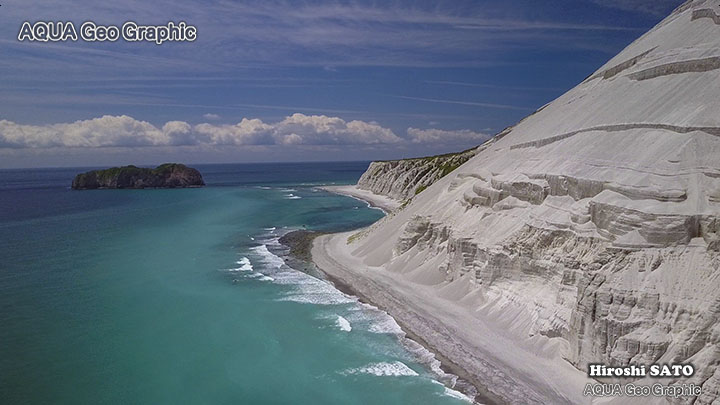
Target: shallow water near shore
x=183, y=296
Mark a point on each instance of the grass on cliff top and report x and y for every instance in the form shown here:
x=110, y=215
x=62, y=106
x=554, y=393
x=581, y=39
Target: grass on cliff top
x=429, y=158
x=448, y=167
x=445, y=169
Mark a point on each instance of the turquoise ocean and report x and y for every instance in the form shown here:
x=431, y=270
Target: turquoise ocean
x=184, y=296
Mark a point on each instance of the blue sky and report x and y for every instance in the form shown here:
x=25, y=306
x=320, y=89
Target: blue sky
x=300, y=80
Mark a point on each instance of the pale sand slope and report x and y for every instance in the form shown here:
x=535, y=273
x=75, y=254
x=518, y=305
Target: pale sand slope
x=489, y=353
x=385, y=203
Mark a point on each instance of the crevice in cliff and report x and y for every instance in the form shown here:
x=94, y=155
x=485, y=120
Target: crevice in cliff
x=706, y=13
x=619, y=68
x=674, y=68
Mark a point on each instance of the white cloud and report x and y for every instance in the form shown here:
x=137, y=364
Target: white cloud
x=296, y=129
x=246, y=132
x=98, y=132
x=323, y=130
x=434, y=135
x=179, y=133
x=210, y=116
x=125, y=131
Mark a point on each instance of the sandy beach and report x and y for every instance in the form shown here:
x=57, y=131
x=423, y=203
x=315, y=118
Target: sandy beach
x=477, y=350
x=382, y=202
x=474, y=345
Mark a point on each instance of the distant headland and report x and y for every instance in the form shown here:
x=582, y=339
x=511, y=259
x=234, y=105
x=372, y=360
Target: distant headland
x=168, y=175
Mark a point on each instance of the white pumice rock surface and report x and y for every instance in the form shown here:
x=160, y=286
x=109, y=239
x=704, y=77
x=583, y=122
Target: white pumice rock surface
x=590, y=231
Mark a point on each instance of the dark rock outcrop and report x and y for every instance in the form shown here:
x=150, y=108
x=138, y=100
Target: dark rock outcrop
x=300, y=243
x=168, y=175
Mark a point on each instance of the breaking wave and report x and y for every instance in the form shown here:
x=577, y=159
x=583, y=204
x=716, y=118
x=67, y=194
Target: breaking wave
x=307, y=289
x=343, y=324
x=383, y=369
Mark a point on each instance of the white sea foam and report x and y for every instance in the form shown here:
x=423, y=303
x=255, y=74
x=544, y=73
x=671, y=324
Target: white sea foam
x=317, y=298
x=245, y=265
x=428, y=358
x=292, y=196
x=308, y=289
x=343, y=324
x=383, y=369
x=269, y=259
x=379, y=321
x=386, y=325
x=453, y=393
x=272, y=228
x=457, y=394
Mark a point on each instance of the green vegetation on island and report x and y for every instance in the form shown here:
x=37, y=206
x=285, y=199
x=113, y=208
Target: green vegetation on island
x=168, y=175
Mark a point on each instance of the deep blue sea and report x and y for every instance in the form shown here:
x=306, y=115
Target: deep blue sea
x=183, y=297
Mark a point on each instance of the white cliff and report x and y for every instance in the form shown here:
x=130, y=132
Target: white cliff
x=592, y=226
x=403, y=179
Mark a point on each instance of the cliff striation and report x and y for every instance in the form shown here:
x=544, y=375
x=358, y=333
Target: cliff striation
x=592, y=226
x=168, y=175
x=403, y=179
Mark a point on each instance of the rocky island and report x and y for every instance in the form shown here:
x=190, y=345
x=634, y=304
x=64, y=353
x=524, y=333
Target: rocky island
x=168, y=175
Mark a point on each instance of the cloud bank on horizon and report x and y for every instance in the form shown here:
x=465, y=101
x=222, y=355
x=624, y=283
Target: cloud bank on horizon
x=297, y=129
x=392, y=78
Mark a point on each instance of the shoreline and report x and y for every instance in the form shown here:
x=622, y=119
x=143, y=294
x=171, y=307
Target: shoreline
x=477, y=350
x=299, y=256
x=478, y=393
x=381, y=202
x=469, y=384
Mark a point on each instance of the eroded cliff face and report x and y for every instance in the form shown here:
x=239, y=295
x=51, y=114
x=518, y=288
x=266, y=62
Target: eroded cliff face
x=403, y=179
x=595, y=221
